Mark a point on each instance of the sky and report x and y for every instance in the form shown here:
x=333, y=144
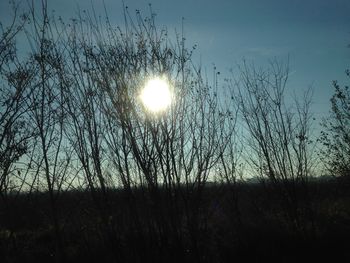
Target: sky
x=313, y=34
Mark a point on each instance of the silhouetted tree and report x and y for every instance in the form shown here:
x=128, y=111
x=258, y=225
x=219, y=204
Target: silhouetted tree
x=14, y=78
x=278, y=135
x=171, y=154
x=335, y=135
x=53, y=153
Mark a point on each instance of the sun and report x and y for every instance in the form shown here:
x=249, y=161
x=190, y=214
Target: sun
x=156, y=95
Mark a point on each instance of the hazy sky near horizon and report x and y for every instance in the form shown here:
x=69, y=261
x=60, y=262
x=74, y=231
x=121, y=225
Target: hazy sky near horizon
x=314, y=34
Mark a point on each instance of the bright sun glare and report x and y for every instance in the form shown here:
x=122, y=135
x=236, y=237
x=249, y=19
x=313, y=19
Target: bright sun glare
x=156, y=95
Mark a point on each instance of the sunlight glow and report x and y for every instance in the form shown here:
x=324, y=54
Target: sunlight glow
x=156, y=95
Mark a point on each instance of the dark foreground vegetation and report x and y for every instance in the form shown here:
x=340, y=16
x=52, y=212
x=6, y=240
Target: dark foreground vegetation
x=250, y=227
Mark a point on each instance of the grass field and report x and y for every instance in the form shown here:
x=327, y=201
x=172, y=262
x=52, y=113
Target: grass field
x=243, y=223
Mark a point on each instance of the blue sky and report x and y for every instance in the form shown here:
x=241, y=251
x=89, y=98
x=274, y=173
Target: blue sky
x=313, y=33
